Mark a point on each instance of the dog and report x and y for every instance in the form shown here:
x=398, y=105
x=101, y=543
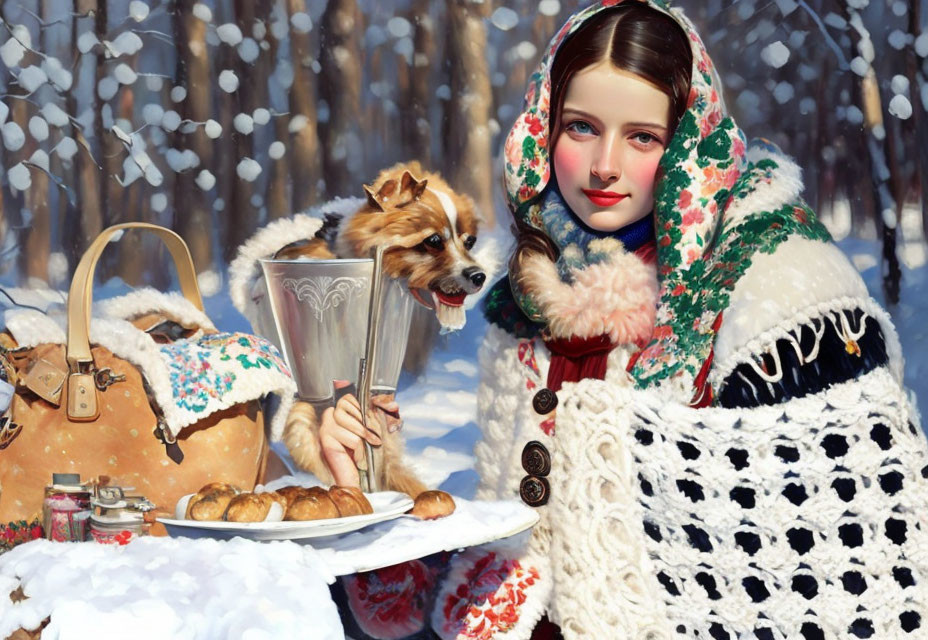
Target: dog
x=428, y=231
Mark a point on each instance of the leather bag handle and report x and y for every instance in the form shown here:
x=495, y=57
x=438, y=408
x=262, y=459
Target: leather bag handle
x=80, y=298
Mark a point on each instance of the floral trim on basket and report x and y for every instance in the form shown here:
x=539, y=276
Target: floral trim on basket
x=219, y=370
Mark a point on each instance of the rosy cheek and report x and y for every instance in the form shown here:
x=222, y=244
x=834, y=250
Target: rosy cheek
x=567, y=159
x=642, y=173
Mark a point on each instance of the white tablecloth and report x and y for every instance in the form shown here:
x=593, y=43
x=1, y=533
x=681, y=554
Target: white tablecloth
x=182, y=588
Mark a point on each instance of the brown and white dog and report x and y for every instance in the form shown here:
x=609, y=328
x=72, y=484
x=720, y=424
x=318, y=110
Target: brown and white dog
x=428, y=231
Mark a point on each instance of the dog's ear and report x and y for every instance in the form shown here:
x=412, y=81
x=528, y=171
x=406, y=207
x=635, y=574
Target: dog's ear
x=387, y=190
x=407, y=182
x=372, y=200
x=415, y=187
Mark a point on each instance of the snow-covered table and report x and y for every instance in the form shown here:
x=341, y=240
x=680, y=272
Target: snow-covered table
x=238, y=589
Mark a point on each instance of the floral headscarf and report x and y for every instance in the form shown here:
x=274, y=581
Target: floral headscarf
x=701, y=252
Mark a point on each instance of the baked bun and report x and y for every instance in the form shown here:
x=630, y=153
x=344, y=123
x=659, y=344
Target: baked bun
x=430, y=505
x=290, y=494
x=350, y=501
x=311, y=504
x=210, y=502
x=249, y=507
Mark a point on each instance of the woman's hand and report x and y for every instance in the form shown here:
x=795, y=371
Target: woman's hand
x=342, y=434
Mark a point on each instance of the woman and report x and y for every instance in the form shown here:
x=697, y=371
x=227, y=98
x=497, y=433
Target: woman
x=755, y=470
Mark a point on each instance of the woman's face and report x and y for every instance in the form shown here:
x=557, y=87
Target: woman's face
x=614, y=127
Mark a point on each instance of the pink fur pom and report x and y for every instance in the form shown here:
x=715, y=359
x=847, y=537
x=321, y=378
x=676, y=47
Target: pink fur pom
x=617, y=297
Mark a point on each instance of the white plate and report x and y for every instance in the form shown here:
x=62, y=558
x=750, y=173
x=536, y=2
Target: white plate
x=386, y=504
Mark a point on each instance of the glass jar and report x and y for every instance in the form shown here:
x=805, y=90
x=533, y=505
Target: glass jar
x=118, y=518
x=66, y=508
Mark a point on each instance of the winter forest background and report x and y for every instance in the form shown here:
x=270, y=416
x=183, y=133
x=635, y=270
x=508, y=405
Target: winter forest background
x=216, y=117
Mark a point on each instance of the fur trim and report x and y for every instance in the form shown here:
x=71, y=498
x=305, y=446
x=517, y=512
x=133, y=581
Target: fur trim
x=783, y=187
x=148, y=300
x=301, y=435
x=617, y=297
x=245, y=269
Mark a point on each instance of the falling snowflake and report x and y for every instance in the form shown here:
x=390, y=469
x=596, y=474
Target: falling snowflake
x=125, y=44
x=229, y=33
x=57, y=74
x=159, y=202
x=206, y=180
x=248, y=170
x=171, y=120
x=66, y=148
x=31, y=78
x=243, y=123
x=301, y=22
x=53, y=114
x=107, y=88
x=248, y=51
x=13, y=136
x=203, y=12
x=900, y=107
x=125, y=74
x=276, y=150
x=775, y=54
x=504, y=19
x=213, y=129
x=138, y=10
x=38, y=127
x=228, y=81
x=152, y=113
x=19, y=177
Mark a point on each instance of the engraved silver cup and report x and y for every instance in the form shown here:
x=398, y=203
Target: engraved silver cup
x=320, y=310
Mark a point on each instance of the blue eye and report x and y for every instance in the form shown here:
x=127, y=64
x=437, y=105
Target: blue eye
x=645, y=139
x=580, y=126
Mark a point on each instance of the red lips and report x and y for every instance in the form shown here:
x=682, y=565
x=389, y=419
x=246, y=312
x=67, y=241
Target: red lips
x=604, y=198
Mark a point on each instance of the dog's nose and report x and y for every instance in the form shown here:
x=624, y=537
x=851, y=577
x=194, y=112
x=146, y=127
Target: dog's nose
x=475, y=275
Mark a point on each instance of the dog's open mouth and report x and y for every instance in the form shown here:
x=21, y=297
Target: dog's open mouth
x=449, y=307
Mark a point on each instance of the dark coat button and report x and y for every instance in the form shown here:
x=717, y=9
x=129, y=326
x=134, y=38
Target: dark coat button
x=535, y=459
x=534, y=491
x=544, y=401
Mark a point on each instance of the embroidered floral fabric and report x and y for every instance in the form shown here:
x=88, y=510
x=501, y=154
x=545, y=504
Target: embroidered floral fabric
x=701, y=255
x=219, y=370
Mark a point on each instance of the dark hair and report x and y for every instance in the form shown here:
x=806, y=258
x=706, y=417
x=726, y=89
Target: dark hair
x=634, y=37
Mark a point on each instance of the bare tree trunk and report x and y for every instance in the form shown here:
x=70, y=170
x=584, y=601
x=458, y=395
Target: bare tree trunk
x=192, y=215
x=278, y=196
x=918, y=123
x=340, y=88
x=87, y=221
x=414, y=110
x=36, y=231
x=884, y=172
x=305, y=167
x=468, y=145
x=252, y=93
